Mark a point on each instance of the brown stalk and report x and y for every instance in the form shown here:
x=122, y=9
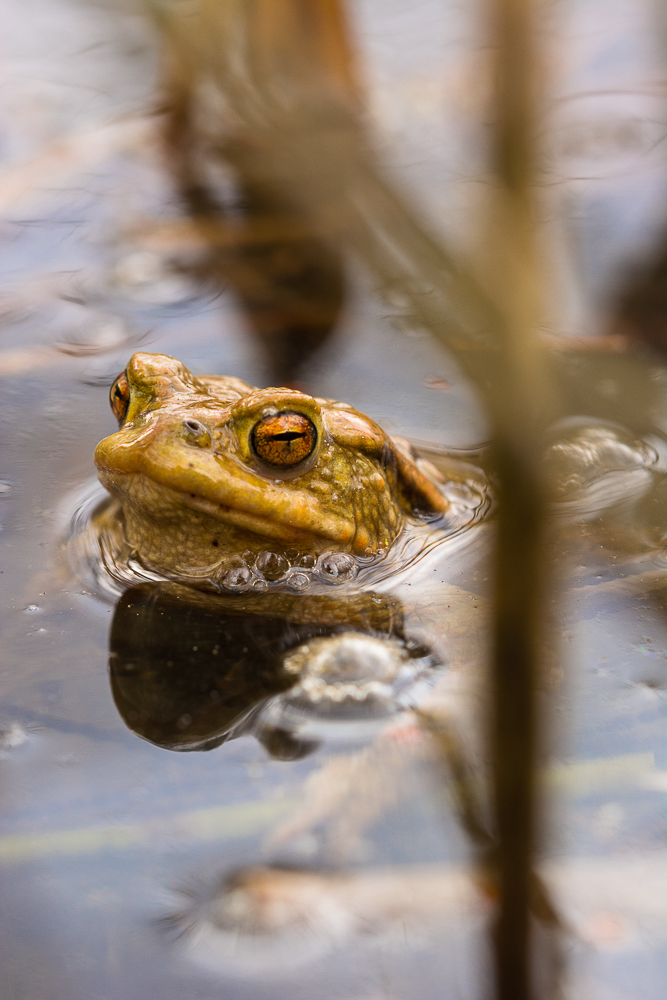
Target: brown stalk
x=286, y=115
x=521, y=409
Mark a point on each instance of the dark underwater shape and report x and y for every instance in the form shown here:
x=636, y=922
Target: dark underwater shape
x=188, y=670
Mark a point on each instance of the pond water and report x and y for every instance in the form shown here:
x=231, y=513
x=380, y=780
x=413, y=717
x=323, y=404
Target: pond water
x=303, y=846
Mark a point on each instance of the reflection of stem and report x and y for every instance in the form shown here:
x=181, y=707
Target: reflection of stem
x=463, y=784
x=461, y=780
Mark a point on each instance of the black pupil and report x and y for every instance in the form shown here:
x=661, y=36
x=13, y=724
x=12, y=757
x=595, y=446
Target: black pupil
x=288, y=436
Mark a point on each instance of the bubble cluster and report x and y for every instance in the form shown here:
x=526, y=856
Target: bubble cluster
x=293, y=570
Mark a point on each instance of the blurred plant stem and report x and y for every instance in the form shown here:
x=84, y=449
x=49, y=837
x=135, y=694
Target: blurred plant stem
x=268, y=86
x=522, y=407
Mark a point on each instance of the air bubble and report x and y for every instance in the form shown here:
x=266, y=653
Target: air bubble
x=306, y=561
x=336, y=567
x=260, y=585
x=271, y=565
x=298, y=581
x=32, y=608
x=238, y=578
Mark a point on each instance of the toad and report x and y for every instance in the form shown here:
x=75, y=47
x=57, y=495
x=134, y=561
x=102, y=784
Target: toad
x=228, y=485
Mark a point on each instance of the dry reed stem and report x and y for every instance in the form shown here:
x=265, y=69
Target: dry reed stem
x=287, y=119
x=522, y=407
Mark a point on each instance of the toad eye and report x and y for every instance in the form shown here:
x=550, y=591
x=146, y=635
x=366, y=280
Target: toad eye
x=284, y=439
x=119, y=397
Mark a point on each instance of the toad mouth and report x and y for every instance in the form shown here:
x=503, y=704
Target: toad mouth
x=293, y=516
x=335, y=529
x=286, y=516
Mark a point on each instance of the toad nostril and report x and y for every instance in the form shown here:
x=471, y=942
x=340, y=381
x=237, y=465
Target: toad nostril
x=196, y=433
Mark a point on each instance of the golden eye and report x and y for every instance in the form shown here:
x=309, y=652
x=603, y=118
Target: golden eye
x=119, y=397
x=284, y=439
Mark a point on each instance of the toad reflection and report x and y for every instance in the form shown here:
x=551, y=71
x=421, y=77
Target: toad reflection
x=189, y=671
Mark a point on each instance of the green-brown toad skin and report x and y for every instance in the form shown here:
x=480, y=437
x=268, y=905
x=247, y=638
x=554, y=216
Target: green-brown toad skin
x=207, y=467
